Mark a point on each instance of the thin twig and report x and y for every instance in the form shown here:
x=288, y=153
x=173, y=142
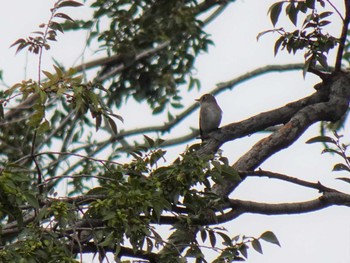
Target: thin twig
x=336, y=10
x=33, y=157
x=261, y=173
x=343, y=36
x=77, y=176
x=66, y=153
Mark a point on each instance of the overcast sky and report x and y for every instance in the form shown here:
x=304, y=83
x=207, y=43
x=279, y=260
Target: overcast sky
x=322, y=236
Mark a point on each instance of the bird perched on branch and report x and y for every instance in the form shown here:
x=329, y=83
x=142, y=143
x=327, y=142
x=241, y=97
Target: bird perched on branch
x=209, y=115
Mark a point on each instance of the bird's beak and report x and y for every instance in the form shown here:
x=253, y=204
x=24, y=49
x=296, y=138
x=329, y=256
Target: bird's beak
x=197, y=100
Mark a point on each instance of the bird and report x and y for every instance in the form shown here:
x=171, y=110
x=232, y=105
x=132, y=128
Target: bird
x=209, y=115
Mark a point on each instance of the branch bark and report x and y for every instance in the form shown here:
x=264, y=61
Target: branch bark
x=326, y=200
x=329, y=103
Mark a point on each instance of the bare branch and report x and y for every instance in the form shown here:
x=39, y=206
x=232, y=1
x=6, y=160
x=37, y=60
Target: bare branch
x=326, y=200
x=261, y=173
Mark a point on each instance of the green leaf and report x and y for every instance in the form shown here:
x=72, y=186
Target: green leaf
x=31, y=199
x=109, y=240
x=93, y=98
x=42, y=95
x=243, y=250
x=56, y=26
x=59, y=71
x=157, y=110
x=292, y=13
x=21, y=44
x=278, y=44
x=64, y=16
x=325, y=14
x=340, y=167
x=68, y=3
x=230, y=172
x=177, y=105
x=117, y=116
x=257, y=246
x=275, y=11
x=310, y=4
x=203, y=235
x=226, y=238
x=149, y=141
x=270, y=237
x=37, y=117
x=112, y=125
x=324, y=139
x=98, y=121
x=170, y=116
x=48, y=74
x=324, y=22
x=212, y=238
x=322, y=59
x=328, y=150
x=43, y=127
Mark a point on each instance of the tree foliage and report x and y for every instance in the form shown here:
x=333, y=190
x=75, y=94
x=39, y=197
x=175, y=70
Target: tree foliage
x=151, y=48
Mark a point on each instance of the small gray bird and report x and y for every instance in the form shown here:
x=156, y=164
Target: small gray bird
x=209, y=115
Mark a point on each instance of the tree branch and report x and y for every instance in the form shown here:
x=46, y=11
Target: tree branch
x=91, y=247
x=326, y=200
x=117, y=59
x=221, y=87
x=261, y=173
x=303, y=114
x=343, y=35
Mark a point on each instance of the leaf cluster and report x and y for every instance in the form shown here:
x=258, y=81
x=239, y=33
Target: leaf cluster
x=310, y=37
x=137, y=26
x=333, y=145
x=336, y=147
x=50, y=30
x=73, y=93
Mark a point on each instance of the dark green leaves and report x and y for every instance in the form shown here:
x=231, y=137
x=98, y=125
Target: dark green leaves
x=61, y=4
x=334, y=146
x=321, y=139
x=292, y=12
x=237, y=247
x=275, y=11
x=270, y=237
x=133, y=30
x=257, y=246
x=309, y=38
x=39, y=41
x=341, y=167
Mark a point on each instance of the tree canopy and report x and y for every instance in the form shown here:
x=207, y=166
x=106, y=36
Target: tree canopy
x=62, y=131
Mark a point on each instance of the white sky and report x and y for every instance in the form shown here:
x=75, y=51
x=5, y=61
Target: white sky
x=322, y=236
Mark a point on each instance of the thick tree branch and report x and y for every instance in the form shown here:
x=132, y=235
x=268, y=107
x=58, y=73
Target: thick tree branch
x=241, y=130
x=221, y=87
x=326, y=200
x=303, y=114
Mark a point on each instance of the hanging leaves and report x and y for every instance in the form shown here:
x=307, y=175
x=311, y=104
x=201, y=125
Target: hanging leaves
x=310, y=38
x=40, y=39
